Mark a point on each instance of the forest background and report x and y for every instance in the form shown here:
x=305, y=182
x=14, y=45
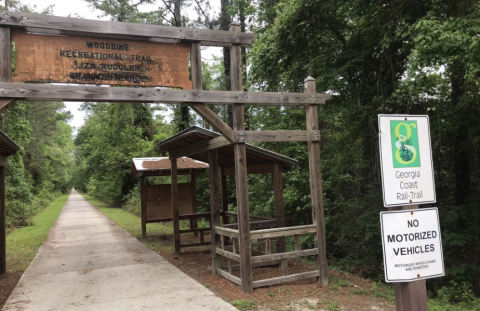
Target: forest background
x=384, y=56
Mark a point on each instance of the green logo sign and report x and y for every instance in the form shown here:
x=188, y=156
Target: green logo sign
x=405, y=148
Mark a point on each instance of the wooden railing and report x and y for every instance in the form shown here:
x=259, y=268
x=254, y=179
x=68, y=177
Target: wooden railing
x=256, y=222
x=266, y=238
x=196, y=231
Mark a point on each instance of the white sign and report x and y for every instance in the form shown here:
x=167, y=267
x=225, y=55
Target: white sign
x=412, y=245
x=406, y=160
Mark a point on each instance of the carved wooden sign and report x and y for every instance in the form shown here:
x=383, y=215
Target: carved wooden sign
x=44, y=58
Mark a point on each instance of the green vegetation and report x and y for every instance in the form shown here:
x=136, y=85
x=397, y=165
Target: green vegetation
x=398, y=56
x=338, y=281
x=334, y=306
x=23, y=243
x=244, y=304
x=42, y=169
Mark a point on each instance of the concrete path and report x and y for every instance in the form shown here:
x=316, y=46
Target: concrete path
x=89, y=263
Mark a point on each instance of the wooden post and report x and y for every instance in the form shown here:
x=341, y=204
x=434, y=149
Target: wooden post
x=6, y=66
x=143, y=206
x=5, y=76
x=3, y=233
x=193, y=187
x=224, y=196
x=316, y=185
x=241, y=171
x=278, y=201
x=196, y=65
x=410, y=295
x=215, y=208
x=176, y=221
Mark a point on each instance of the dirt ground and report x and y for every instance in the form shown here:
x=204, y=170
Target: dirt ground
x=7, y=285
x=346, y=291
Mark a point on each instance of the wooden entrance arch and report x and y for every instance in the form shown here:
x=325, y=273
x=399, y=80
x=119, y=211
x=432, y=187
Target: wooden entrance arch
x=197, y=99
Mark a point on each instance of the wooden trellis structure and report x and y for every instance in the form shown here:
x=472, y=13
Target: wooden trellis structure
x=259, y=161
x=67, y=67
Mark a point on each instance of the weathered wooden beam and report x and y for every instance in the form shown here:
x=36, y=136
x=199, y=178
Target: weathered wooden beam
x=255, y=224
x=193, y=183
x=232, y=278
x=218, y=142
x=283, y=279
x=196, y=66
x=5, y=55
x=240, y=154
x=252, y=169
x=176, y=221
x=143, y=206
x=268, y=247
x=5, y=75
x=194, y=216
x=298, y=244
x=44, y=92
x=224, y=197
x=109, y=28
x=316, y=192
x=214, y=120
x=3, y=232
x=276, y=136
x=227, y=254
x=196, y=148
x=255, y=265
x=200, y=147
x=157, y=173
x=195, y=230
x=278, y=203
x=226, y=232
x=151, y=221
x=285, y=231
x=287, y=255
x=215, y=208
x=5, y=103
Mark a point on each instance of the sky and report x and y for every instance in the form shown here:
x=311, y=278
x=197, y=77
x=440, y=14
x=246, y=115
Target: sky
x=82, y=9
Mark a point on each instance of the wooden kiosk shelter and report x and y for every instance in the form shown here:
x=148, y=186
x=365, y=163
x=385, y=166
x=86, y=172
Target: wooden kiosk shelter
x=7, y=148
x=156, y=200
x=259, y=161
x=149, y=56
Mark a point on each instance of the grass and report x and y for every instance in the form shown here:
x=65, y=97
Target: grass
x=23, y=243
x=244, y=304
x=131, y=224
x=436, y=305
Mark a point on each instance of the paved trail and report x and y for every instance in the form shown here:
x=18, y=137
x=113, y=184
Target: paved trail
x=89, y=263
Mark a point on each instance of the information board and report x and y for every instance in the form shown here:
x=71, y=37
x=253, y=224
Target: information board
x=412, y=245
x=406, y=160
x=70, y=59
